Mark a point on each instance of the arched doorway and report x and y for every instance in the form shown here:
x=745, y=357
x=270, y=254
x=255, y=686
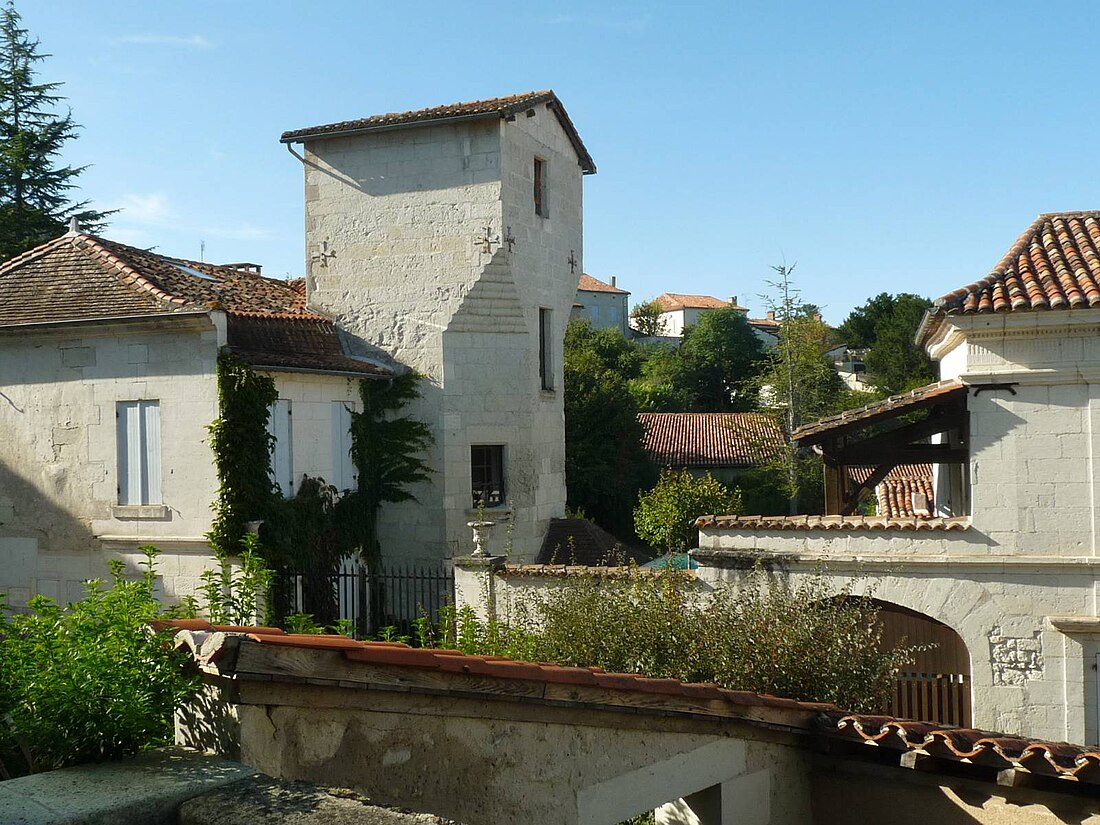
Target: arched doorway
x=935, y=686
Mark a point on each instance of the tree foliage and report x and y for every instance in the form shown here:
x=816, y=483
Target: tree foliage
x=35, y=191
x=721, y=355
x=646, y=319
x=89, y=683
x=665, y=516
x=887, y=325
x=805, y=641
x=605, y=465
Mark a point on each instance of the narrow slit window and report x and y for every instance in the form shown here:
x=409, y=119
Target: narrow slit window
x=540, y=188
x=487, y=474
x=546, y=362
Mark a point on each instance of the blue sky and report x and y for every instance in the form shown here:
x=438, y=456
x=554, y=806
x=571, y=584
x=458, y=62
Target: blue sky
x=881, y=146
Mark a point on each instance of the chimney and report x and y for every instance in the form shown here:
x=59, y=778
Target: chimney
x=612, y=280
x=771, y=315
x=733, y=300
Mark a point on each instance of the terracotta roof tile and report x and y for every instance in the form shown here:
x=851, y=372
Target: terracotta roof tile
x=474, y=109
x=590, y=284
x=711, y=439
x=894, y=496
x=1054, y=264
x=280, y=343
x=830, y=523
x=672, y=301
x=913, y=400
x=997, y=750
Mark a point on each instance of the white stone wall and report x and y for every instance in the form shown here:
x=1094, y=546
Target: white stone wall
x=59, y=516
x=404, y=213
x=604, y=310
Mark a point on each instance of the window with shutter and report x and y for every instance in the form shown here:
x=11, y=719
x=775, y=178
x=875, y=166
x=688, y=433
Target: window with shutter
x=279, y=425
x=138, y=436
x=343, y=469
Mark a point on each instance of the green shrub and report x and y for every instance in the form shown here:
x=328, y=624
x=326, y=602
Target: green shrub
x=89, y=683
x=808, y=642
x=665, y=516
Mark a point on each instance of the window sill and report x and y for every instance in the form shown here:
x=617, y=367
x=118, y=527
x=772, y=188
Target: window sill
x=548, y=394
x=502, y=512
x=141, y=512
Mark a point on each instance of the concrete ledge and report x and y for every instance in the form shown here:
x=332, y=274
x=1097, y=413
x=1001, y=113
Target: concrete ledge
x=146, y=790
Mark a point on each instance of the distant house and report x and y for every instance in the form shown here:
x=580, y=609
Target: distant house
x=603, y=305
x=725, y=445
x=767, y=330
x=680, y=311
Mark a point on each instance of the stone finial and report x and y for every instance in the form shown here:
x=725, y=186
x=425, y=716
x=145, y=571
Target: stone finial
x=481, y=536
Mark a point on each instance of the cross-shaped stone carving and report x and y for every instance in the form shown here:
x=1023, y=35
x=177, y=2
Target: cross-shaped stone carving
x=487, y=239
x=321, y=256
x=573, y=262
x=509, y=238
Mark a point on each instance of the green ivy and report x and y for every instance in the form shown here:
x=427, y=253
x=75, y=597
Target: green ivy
x=242, y=448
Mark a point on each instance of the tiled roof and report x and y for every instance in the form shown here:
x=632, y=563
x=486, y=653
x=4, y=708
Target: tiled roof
x=590, y=284
x=280, y=343
x=887, y=408
x=470, y=110
x=1054, y=264
x=600, y=571
x=672, y=301
x=80, y=277
x=894, y=495
x=579, y=541
x=711, y=439
x=625, y=689
x=830, y=523
x=993, y=750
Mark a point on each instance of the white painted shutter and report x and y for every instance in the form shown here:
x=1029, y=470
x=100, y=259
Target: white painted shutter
x=138, y=435
x=281, y=465
x=150, y=452
x=343, y=469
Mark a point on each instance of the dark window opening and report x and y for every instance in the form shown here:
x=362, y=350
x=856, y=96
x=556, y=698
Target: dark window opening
x=487, y=474
x=546, y=364
x=540, y=188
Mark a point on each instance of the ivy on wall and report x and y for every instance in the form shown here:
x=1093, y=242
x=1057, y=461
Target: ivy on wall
x=242, y=448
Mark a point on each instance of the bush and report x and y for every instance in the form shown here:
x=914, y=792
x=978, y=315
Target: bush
x=90, y=683
x=808, y=642
x=665, y=516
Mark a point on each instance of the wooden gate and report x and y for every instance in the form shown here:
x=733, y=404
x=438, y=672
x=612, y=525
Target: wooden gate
x=943, y=698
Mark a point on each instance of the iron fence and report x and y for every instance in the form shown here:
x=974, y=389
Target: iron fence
x=372, y=600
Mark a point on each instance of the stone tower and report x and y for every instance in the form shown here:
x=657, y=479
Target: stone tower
x=448, y=240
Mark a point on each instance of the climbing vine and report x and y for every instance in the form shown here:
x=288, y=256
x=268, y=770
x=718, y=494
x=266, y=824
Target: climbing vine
x=242, y=447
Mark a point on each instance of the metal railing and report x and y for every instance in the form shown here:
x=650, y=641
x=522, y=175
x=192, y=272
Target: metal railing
x=943, y=698
x=389, y=597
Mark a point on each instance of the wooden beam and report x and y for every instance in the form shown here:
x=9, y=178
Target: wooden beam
x=869, y=483
x=857, y=455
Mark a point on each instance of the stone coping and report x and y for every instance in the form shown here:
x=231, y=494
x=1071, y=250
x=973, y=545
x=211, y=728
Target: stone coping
x=853, y=523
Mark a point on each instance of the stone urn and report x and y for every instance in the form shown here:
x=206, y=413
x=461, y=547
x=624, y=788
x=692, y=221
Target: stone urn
x=481, y=536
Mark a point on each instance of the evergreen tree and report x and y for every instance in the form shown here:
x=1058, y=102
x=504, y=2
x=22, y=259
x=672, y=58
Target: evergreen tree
x=35, y=200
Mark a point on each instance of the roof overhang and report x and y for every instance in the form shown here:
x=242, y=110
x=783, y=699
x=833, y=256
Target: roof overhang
x=148, y=321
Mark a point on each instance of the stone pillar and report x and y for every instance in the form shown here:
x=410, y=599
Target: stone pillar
x=475, y=583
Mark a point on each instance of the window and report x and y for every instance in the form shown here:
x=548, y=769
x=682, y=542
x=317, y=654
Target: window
x=343, y=469
x=487, y=474
x=279, y=425
x=138, y=424
x=541, y=206
x=546, y=338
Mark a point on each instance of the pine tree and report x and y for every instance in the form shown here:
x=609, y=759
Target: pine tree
x=35, y=200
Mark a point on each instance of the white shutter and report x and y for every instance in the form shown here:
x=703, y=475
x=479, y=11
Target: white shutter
x=343, y=469
x=150, y=452
x=138, y=435
x=281, y=465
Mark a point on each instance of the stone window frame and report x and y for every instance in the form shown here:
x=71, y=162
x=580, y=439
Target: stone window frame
x=487, y=477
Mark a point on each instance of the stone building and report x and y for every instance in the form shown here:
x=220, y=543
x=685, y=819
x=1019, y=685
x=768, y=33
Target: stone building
x=603, y=305
x=680, y=311
x=448, y=241
x=107, y=386
x=1010, y=559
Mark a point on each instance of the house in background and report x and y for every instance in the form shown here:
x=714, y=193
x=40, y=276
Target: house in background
x=603, y=305
x=107, y=378
x=680, y=311
x=1009, y=558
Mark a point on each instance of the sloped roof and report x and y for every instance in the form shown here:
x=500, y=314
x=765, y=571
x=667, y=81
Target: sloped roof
x=891, y=407
x=80, y=277
x=500, y=107
x=711, y=439
x=590, y=284
x=672, y=301
x=578, y=541
x=1054, y=264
